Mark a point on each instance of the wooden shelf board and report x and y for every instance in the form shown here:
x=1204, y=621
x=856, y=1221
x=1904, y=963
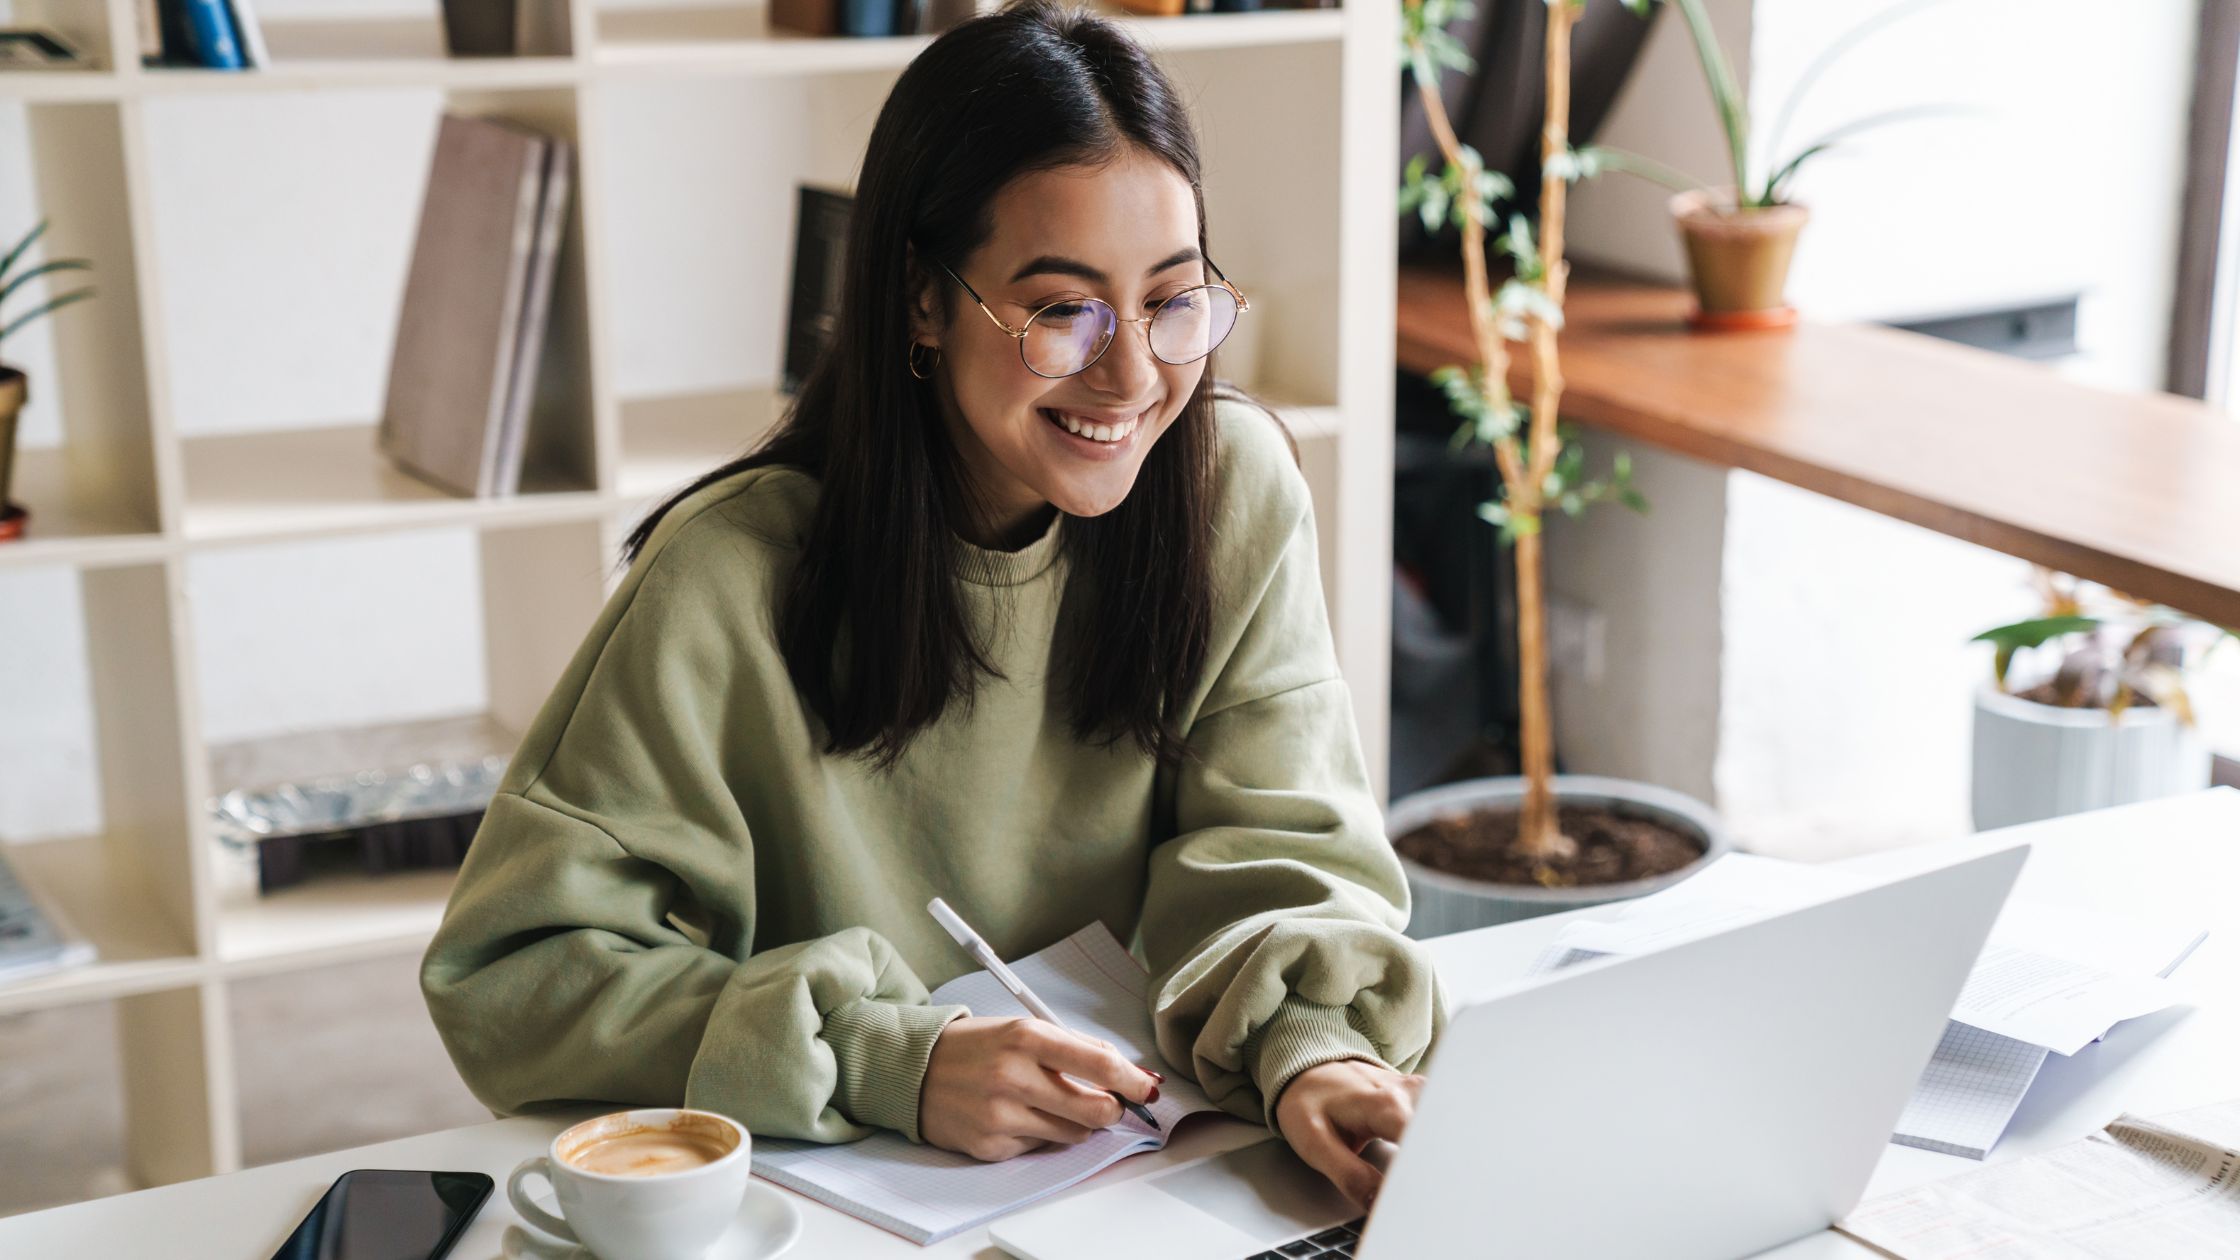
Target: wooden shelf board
x=59, y=85
x=334, y=54
x=66, y=529
x=739, y=38
x=139, y=950
x=338, y=918
x=670, y=440
x=2136, y=490
x=303, y=482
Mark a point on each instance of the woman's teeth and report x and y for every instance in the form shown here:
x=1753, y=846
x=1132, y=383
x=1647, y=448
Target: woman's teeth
x=1094, y=432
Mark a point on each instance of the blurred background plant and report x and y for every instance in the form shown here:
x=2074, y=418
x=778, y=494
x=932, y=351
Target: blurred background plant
x=1537, y=469
x=2107, y=649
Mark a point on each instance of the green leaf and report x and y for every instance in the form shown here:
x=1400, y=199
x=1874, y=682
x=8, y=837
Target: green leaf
x=1434, y=207
x=1632, y=498
x=9, y=260
x=60, y=264
x=47, y=308
x=2035, y=632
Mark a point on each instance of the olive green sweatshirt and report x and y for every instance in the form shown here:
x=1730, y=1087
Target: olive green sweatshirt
x=677, y=898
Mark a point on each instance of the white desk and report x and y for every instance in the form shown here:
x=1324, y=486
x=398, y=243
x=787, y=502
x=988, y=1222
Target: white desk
x=2179, y=857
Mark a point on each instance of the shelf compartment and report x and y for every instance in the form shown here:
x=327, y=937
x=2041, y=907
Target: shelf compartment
x=670, y=441
x=84, y=25
x=73, y=524
x=349, y=53
x=141, y=949
x=87, y=454
x=740, y=38
x=337, y=919
x=296, y=483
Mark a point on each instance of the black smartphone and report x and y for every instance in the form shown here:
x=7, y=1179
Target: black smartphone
x=388, y=1214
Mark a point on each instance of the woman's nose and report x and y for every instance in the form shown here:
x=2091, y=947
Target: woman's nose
x=1127, y=367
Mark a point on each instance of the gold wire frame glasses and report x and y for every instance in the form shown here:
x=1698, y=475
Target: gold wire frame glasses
x=1068, y=336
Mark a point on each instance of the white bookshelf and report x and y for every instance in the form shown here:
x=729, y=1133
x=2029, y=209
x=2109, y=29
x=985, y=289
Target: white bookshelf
x=1299, y=121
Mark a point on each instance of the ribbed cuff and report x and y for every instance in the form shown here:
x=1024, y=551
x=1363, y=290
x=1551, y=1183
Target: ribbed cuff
x=881, y=1049
x=1301, y=1035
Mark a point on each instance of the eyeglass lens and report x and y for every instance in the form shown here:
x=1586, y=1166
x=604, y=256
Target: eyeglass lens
x=1065, y=338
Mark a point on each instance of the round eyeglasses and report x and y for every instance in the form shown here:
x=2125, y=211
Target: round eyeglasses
x=1069, y=335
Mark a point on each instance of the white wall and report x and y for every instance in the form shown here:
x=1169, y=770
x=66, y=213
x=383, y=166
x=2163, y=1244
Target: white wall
x=1842, y=682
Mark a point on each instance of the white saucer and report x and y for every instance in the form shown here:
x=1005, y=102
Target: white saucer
x=767, y=1226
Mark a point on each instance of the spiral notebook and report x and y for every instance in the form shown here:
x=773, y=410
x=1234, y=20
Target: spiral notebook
x=926, y=1194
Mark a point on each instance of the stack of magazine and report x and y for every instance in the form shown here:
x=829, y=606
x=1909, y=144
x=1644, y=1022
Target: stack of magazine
x=470, y=337
x=34, y=937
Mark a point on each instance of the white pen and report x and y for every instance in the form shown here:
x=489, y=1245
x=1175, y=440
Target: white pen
x=963, y=934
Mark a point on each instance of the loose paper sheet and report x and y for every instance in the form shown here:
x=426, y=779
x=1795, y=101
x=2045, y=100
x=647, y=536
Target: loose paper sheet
x=2137, y=1190
x=2050, y=978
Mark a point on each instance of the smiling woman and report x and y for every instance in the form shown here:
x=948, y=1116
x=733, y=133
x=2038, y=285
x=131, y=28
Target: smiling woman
x=1009, y=610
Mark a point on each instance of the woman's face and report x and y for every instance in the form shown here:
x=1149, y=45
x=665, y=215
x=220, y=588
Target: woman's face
x=1126, y=233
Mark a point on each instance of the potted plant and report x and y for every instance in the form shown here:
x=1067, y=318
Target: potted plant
x=15, y=387
x=1492, y=850
x=1740, y=236
x=2102, y=717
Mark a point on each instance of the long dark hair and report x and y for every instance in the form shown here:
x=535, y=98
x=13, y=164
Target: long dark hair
x=872, y=624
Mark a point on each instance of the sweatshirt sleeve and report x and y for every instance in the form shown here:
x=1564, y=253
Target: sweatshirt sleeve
x=598, y=942
x=1273, y=916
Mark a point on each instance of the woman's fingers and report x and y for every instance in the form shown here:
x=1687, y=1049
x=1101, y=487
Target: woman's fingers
x=1328, y=1153
x=1381, y=1112
x=1076, y=1102
x=1086, y=1058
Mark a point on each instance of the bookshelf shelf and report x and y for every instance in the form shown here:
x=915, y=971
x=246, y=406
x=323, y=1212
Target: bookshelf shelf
x=346, y=54
x=295, y=483
x=669, y=441
x=337, y=919
x=60, y=85
x=693, y=127
x=141, y=950
x=76, y=523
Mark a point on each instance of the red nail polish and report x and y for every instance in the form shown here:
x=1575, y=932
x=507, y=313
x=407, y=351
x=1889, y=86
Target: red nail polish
x=1154, y=1095
x=1155, y=1076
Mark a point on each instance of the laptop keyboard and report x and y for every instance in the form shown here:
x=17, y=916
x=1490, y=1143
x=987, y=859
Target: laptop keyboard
x=1335, y=1241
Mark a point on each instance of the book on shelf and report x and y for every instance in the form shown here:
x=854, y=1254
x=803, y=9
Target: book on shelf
x=820, y=246
x=35, y=938
x=470, y=334
x=210, y=34
x=867, y=18
x=496, y=28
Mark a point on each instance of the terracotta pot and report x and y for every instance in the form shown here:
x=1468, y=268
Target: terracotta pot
x=1738, y=259
x=14, y=391
x=1444, y=903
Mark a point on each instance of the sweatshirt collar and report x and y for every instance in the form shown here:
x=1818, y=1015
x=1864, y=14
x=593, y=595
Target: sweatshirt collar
x=984, y=566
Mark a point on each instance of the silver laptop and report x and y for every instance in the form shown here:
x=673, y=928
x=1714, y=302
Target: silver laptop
x=1710, y=1099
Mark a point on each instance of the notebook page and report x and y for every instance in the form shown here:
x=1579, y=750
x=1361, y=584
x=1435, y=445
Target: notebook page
x=1968, y=1094
x=925, y=1193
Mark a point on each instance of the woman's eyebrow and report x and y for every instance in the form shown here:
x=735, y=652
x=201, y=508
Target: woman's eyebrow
x=1053, y=264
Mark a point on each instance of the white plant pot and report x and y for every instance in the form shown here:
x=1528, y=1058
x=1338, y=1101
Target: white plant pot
x=2034, y=761
x=1446, y=903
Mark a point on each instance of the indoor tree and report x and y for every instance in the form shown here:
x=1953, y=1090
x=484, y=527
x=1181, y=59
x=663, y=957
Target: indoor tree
x=1539, y=471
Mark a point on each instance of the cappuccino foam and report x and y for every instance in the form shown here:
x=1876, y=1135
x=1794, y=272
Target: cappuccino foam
x=649, y=1152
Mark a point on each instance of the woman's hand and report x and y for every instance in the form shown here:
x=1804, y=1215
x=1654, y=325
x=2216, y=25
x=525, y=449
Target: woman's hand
x=1329, y=1112
x=993, y=1087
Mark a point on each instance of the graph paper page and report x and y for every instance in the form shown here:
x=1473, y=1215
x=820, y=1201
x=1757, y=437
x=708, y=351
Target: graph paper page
x=1969, y=1092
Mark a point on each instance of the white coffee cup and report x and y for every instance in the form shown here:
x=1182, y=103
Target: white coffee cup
x=663, y=1214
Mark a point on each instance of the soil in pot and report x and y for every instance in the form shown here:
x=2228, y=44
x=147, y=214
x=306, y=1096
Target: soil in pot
x=1613, y=847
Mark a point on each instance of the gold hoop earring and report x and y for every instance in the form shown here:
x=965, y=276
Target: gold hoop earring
x=910, y=356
